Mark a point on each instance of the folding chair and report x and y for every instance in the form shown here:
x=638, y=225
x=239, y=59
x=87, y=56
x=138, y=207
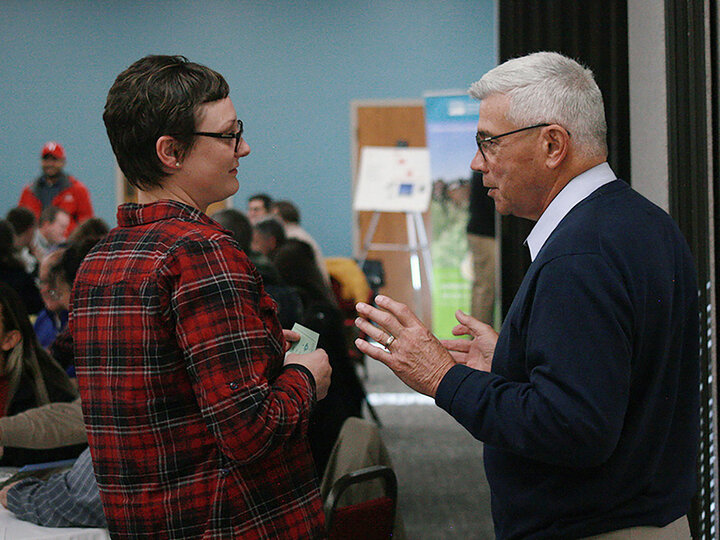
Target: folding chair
x=371, y=519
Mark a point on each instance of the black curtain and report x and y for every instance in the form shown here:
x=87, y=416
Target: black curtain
x=693, y=100
x=594, y=32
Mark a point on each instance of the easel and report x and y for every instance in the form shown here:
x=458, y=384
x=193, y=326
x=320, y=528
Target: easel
x=417, y=245
x=396, y=180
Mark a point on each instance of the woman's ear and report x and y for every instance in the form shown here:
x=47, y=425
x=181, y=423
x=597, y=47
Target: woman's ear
x=166, y=148
x=10, y=340
x=556, y=142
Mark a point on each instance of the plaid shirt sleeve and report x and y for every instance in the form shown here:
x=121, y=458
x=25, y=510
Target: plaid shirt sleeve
x=67, y=499
x=234, y=350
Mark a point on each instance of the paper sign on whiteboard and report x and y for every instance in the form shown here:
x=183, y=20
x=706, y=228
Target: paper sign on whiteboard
x=393, y=179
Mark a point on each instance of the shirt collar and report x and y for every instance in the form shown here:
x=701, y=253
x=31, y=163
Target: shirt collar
x=575, y=191
x=132, y=214
x=62, y=182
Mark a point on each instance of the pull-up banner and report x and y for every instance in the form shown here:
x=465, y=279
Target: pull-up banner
x=451, y=121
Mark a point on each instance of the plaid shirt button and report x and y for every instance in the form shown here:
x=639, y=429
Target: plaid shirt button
x=233, y=385
x=224, y=472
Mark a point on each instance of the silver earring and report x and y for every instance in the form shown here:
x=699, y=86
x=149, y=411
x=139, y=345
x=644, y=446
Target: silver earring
x=177, y=163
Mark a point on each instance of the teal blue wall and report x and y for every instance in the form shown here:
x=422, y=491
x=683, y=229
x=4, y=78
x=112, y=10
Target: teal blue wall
x=293, y=69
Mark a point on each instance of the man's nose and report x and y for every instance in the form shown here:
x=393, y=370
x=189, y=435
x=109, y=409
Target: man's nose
x=479, y=163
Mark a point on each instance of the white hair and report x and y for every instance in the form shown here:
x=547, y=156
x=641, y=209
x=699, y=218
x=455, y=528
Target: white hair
x=547, y=87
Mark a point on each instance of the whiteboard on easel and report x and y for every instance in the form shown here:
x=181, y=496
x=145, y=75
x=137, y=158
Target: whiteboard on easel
x=393, y=179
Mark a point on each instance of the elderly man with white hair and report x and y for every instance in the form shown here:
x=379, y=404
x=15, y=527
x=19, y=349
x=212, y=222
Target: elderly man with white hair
x=587, y=401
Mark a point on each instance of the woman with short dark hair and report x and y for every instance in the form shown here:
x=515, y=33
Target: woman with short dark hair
x=196, y=420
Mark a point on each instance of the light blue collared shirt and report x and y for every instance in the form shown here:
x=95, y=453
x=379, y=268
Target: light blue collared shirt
x=575, y=191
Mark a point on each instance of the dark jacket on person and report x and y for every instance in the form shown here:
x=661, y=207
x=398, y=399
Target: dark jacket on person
x=590, y=416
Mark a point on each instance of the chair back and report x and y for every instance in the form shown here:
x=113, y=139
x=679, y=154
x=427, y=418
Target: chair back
x=371, y=519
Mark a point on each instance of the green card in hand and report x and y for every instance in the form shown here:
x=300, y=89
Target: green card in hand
x=308, y=340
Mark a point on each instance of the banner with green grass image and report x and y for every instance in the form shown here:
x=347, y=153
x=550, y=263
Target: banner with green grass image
x=450, y=121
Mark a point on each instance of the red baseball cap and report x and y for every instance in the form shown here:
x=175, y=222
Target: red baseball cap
x=53, y=149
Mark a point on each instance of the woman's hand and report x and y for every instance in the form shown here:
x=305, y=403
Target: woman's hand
x=4, y=494
x=290, y=338
x=318, y=364
x=412, y=351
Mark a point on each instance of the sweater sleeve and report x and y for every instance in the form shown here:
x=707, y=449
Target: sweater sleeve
x=52, y=425
x=568, y=407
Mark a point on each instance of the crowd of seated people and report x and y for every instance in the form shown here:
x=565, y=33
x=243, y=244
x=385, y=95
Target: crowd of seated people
x=39, y=300
x=30, y=377
x=42, y=412
x=287, y=299
x=292, y=276
x=295, y=261
x=41, y=417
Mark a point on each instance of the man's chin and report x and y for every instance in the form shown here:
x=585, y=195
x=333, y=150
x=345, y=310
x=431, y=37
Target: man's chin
x=502, y=208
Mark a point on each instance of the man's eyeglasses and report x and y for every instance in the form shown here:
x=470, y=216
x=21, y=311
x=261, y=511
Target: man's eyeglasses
x=485, y=143
x=237, y=135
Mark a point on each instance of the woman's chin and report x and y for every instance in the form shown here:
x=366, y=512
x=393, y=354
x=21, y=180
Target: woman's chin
x=230, y=189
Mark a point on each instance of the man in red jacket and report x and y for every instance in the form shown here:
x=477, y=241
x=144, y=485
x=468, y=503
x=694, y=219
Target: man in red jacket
x=55, y=188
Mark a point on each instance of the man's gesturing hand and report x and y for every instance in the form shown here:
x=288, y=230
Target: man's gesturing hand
x=476, y=353
x=412, y=351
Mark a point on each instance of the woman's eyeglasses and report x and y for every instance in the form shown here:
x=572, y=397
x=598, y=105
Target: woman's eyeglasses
x=237, y=135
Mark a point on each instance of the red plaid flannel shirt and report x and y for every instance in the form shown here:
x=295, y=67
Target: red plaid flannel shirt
x=196, y=429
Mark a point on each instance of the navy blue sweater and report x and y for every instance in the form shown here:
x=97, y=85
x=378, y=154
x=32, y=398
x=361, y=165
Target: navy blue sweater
x=590, y=414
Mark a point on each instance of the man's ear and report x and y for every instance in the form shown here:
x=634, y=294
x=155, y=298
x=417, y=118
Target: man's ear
x=166, y=149
x=11, y=339
x=556, y=143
